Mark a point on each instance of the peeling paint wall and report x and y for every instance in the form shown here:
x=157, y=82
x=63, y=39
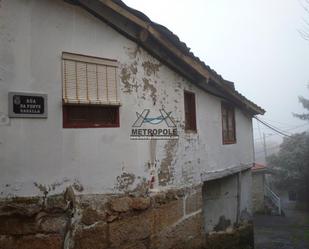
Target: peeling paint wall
x=220, y=203
x=227, y=202
x=39, y=157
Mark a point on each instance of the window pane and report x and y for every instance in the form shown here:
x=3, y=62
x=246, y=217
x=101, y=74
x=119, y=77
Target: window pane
x=190, y=111
x=104, y=115
x=228, y=124
x=224, y=123
x=77, y=114
x=224, y=111
x=90, y=116
x=230, y=120
x=231, y=136
x=231, y=125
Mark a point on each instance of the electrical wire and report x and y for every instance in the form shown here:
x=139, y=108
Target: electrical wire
x=258, y=124
x=272, y=127
x=269, y=148
x=286, y=130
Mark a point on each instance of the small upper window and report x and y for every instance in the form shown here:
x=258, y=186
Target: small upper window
x=228, y=124
x=90, y=94
x=190, y=111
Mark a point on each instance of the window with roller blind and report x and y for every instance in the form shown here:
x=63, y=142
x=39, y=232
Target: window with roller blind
x=90, y=92
x=228, y=124
x=190, y=111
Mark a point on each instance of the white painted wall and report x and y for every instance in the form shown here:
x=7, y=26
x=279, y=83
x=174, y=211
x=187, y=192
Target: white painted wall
x=220, y=199
x=246, y=193
x=33, y=34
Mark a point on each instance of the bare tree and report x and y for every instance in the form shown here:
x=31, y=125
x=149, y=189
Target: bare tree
x=305, y=103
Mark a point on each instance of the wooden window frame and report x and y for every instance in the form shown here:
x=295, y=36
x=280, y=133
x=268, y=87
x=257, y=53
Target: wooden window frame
x=86, y=108
x=190, y=115
x=229, y=110
x=90, y=123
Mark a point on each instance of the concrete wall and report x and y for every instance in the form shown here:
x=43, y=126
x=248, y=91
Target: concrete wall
x=246, y=194
x=258, y=192
x=220, y=203
x=227, y=201
x=38, y=155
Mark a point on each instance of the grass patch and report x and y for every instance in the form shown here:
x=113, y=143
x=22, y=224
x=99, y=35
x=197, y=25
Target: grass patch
x=306, y=234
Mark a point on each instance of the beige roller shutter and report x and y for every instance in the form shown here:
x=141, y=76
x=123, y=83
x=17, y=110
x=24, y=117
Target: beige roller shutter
x=89, y=80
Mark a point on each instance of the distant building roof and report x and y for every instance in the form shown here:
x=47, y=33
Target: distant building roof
x=257, y=167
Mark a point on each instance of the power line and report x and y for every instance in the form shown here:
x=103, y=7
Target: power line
x=269, y=148
x=277, y=122
x=258, y=124
x=286, y=130
x=277, y=130
x=272, y=127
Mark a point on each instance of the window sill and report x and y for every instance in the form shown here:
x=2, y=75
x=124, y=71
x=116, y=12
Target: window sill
x=229, y=142
x=89, y=126
x=190, y=131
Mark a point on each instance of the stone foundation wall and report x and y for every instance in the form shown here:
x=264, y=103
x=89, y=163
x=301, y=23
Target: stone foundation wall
x=167, y=220
x=171, y=219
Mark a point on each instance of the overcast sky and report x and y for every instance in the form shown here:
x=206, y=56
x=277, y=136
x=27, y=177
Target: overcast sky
x=254, y=43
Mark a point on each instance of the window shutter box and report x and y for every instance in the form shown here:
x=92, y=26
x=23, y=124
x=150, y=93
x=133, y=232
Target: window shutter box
x=89, y=80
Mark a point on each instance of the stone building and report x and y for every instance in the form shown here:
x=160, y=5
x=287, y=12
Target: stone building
x=114, y=135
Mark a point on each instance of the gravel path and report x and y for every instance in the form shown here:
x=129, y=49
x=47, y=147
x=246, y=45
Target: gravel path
x=276, y=232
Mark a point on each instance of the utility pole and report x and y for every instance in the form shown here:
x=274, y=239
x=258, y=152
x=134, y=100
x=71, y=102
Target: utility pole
x=266, y=178
x=265, y=148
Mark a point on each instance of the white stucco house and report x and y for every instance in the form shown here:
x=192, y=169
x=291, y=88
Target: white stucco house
x=113, y=114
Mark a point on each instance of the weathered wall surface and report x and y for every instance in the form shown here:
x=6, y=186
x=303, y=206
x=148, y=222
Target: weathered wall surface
x=258, y=192
x=167, y=220
x=246, y=195
x=38, y=155
x=227, y=211
x=109, y=173
x=227, y=201
x=220, y=203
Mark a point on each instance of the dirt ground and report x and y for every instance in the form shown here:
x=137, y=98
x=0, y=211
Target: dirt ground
x=289, y=232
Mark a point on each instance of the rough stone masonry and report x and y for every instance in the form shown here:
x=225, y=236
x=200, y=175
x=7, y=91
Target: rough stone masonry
x=171, y=219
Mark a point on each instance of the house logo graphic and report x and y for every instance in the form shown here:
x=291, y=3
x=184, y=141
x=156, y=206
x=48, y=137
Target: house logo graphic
x=161, y=126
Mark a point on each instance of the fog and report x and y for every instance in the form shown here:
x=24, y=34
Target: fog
x=255, y=44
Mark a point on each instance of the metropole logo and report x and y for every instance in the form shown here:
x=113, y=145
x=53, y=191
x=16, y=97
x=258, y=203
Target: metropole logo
x=160, y=127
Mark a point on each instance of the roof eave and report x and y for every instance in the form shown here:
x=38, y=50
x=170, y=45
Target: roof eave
x=145, y=33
